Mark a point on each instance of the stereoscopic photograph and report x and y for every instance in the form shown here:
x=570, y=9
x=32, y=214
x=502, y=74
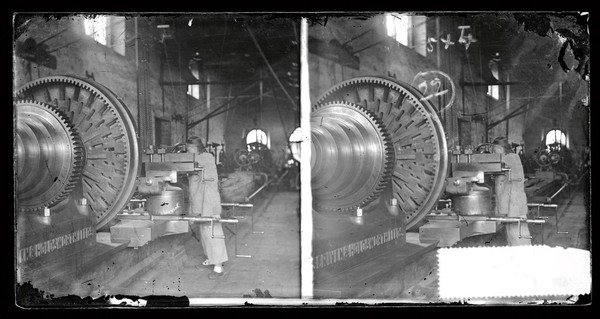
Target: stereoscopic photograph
x=321, y=159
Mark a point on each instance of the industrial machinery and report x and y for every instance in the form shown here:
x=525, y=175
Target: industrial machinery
x=382, y=131
x=469, y=210
x=255, y=157
x=78, y=165
x=245, y=159
x=109, y=152
x=551, y=170
x=378, y=164
x=161, y=200
x=553, y=157
x=470, y=201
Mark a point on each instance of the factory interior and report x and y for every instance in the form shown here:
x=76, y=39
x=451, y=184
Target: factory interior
x=400, y=117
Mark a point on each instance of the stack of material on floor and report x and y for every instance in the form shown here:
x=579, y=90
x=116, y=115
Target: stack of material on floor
x=239, y=185
x=543, y=184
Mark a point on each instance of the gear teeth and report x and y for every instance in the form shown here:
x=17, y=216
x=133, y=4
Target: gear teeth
x=423, y=107
x=385, y=175
x=74, y=171
x=126, y=128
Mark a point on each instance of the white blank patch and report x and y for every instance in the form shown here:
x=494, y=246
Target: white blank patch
x=519, y=271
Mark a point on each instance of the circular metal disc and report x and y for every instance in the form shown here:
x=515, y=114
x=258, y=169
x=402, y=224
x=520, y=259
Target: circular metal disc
x=241, y=158
x=354, y=157
x=108, y=134
x=49, y=155
x=421, y=155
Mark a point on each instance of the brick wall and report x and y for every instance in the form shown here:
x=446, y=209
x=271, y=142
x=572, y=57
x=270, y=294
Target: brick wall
x=392, y=59
x=79, y=54
x=389, y=58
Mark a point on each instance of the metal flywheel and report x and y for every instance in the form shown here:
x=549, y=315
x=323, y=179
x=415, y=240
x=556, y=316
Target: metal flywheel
x=108, y=137
x=419, y=160
x=351, y=156
x=50, y=155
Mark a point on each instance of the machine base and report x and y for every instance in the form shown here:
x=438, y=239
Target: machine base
x=447, y=231
x=139, y=232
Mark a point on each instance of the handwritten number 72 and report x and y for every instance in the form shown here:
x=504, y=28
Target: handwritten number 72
x=435, y=86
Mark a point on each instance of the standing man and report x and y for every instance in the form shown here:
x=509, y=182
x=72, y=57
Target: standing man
x=511, y=200
x=205, y=201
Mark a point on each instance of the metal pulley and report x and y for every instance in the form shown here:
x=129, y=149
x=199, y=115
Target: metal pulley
x=250, y=156
x=542, y=158
x=110, y=154
x=554, y=158
x=408, y=143
x=242, y=158
x=253, y=157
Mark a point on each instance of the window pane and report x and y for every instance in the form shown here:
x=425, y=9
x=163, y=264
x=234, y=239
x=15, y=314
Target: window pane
x=107, y=30
x=194, y=90
x=556, y=136
x=419, y=34
x=96, y=28
x=397, y=27
x=390, y=26
x=257, y=136
x=493, y=91
x=408, y=30
x=117, y=34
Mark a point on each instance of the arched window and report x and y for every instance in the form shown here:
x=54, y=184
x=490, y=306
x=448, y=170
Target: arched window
x=295, y=139
x=257, y=136
x=556, y=137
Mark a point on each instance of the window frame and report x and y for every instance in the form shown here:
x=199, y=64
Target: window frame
x=195, y=93
x=267, y=143
x=106, y=34
x=490, y=92
x=407, y=31
x=562, y=138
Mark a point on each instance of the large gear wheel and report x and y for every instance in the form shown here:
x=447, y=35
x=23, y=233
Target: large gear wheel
x=49, y=155
x=108, y=135
x=542, y=158
x=241, y=158
x=417, y=135
x=352, y=157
